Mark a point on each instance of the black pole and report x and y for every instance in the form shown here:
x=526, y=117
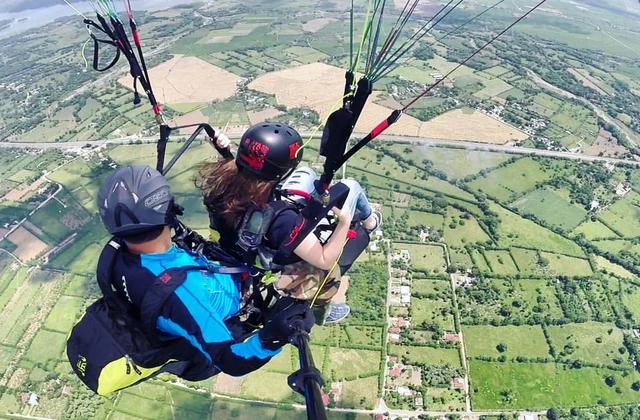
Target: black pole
x=307, y=380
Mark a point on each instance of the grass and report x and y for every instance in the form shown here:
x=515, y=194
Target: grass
x=501, y=262
x=48, y=219
x=420, y=218
x=23, y=306
x=524, y=340
x=434, y=287
x=431, y=312
x=479, y=261
x=143, y=407
x=6, y=354
x=594, y=230
x=606, y=265
x=629, y=296
x=282, y=362
x=64, y=313
x=459, y=163
x=362, y=336
x=464, y=231
x=493, y=87
x=460, y=257
x=543, y=385
x=426, y=355
x=624, y=215
x=349, y=363
x=425, y=257
x=568, y=266
x=516, y=231
x=526, y=259
x=505, y=182
x=551, y=207
x=47, y=345
x=584, y=338
x=78, y=285
x=521, y=299
x=265, y=385
x=82, y=256
x=361, y=393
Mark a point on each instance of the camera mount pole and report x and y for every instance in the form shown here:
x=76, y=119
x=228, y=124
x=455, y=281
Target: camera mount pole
x=307, y=380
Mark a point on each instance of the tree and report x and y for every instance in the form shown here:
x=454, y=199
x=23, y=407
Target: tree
x=636, y=386
x=501, y=347
x=610, y=381
x=553, y=414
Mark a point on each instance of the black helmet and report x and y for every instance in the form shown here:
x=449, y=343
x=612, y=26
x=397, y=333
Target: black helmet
x=135, y=199
x=270, y=150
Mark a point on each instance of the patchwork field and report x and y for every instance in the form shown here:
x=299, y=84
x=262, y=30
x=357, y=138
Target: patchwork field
x=551, y=207
x=425, y=257
x=542, y=385
x=506, y=182
x=28, y=246
x=525, y=341
x=591, y=341
x=183, y=80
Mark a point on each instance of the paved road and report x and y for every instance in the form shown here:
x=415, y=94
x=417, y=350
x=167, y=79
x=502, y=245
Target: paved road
x=425, y=141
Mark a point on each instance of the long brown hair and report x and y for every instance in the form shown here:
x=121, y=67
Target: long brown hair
x=229, y=193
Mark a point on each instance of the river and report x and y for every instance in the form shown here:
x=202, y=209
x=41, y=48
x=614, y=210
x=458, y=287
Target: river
x=33, y=18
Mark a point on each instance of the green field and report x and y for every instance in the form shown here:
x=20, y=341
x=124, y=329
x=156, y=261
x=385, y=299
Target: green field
x=420, y=218
x=568, y=266
x=359, y=393
x=543, y=385
x=459, y=231
x=527, y=260
x=456, y=163
x=550, y=207
x=253, y=386
x=47, y=345
x=516, y=231
x=606, y=265
x=501, y=262
x=431, y=312
x=479, y=261
x=591, y=342
x=624, y=215
x=594, y=230
x=526, y=341
x=425, y=257
x=430, y=287
x=63, y=314
x=349, y=363
x=523, y=300
x=359, y=335
x=460, y=257
x=506, y=182
x=426, y=355
x=493, y=87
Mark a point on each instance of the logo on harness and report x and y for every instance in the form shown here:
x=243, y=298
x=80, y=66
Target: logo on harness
x=295, y=232
x=165, y=278
x=82, y=365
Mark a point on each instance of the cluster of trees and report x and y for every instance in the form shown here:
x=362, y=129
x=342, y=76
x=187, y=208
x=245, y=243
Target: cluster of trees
x=368, y=290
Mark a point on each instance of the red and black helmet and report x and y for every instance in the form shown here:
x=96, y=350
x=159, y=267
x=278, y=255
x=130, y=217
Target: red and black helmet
x=269, y=150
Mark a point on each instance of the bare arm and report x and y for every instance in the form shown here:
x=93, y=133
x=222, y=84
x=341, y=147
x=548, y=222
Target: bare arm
x=324, y=256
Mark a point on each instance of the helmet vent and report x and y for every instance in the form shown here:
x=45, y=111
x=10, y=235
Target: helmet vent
x=276, y=131
x=278, y=125
x=265, y=125
x=289, y=133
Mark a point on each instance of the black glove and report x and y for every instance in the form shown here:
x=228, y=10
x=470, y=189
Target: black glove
x=290, y=315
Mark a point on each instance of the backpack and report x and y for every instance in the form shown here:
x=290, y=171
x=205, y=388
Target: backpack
x=115, y=346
